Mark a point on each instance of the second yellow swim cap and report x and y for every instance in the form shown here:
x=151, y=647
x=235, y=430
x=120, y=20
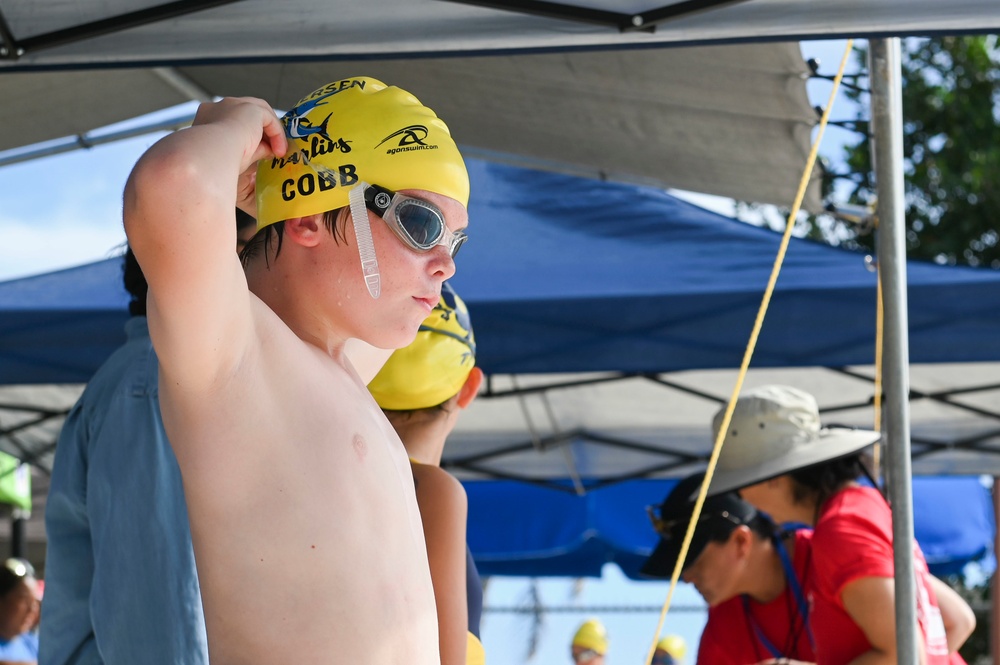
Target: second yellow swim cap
x=674, y=645
x=434, y=367
x=592, y=635
x=357, y=129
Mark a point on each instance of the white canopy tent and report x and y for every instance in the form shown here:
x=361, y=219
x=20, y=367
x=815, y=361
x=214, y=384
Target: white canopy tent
x=52, y=34
x=726, y=121
x=730, y=120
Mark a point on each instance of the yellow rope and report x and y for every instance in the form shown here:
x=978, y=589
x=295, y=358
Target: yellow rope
x=758, y=323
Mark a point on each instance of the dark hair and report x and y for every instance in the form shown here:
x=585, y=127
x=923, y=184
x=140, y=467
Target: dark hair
x=135, y=284
x=759, y=524
x=821, y=481
x=274, y=234
x=243, y=220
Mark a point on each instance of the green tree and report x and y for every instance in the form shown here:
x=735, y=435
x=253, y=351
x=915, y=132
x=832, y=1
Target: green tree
x=951, y=112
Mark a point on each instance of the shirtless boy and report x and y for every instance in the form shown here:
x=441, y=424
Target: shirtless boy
x=306, y=532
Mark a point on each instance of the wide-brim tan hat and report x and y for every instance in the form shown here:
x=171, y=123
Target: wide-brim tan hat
x=776, y=430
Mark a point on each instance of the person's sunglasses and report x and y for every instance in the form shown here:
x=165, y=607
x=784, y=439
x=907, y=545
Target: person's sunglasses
x=419, y=224
x=663, y=659
x=668, y=528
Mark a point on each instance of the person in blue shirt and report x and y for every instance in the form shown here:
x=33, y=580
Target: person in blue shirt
x=121, y=585
x=18, y=613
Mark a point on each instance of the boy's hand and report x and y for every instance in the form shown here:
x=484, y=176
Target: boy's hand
x=246, y=191
x=264, y=133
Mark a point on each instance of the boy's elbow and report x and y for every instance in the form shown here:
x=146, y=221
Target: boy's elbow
x=155, y=188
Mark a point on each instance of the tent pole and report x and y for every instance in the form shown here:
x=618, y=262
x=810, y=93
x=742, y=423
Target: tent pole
x=887, y=130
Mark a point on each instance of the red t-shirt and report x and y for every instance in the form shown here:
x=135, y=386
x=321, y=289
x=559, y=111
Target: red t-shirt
x=852, y=540
x=729, y=637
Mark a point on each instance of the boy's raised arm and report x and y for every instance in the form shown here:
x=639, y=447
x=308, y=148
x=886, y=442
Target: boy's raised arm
x=178, y=208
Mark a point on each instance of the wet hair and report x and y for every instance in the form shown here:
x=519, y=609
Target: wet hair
x=273, y=235
x=821, y=481
x=243, y=220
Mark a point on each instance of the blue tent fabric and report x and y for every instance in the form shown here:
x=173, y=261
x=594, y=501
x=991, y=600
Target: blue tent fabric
x=567, y=274
x=59, y=327
x=954, y=523
x=562, y=534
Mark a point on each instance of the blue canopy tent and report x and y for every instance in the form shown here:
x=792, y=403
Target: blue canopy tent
x=567, y=274
x=561, y=534
x=570, y=274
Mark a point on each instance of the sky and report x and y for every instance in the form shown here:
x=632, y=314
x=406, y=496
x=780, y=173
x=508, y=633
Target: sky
x=65, y=210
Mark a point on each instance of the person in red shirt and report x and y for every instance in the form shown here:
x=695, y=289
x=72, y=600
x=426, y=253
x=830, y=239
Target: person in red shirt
x=753, y=576
x=783, y=462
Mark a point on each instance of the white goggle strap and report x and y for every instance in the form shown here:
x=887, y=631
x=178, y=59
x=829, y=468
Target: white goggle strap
x=363, y=233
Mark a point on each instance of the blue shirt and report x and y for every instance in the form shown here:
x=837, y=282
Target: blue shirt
x=120, y=581
x=24, y=648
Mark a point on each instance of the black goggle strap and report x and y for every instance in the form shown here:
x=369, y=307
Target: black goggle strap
x=363, y=233
x=377, y=199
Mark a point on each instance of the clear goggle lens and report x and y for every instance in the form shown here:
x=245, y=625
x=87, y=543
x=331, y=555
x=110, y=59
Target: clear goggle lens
x=418, y=223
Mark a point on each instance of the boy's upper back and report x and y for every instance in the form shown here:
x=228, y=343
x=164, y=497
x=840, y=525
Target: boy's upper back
x=303, y=517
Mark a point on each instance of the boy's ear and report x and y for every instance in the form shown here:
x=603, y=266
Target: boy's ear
x=470, y=388
x=305, y=231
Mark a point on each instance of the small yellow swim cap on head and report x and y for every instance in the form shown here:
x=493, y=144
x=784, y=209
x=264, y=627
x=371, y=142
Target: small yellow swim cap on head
x=592, y=635
x=435, y=365
x=354, y=130
x=674, y=645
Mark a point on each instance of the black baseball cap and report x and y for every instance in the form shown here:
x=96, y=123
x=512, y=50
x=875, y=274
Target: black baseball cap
x=720, y=514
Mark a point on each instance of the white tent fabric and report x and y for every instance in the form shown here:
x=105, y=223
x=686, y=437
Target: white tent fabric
x=610, y=430
x=254, y=29
x=599, y=433
x=604, y=427
x=730, y=120
x=734, y=123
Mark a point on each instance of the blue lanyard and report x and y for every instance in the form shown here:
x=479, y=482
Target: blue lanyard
x=800, y=601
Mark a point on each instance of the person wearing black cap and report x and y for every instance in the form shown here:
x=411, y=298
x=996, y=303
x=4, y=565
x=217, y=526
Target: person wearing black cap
x=754, y=577
x=784, y=462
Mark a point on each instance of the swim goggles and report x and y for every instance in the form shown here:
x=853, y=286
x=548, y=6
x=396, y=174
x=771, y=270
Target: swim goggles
x=419, y=224
x=584, y=656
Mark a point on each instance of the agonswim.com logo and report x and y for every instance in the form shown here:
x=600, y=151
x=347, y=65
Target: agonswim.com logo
x=410, y=138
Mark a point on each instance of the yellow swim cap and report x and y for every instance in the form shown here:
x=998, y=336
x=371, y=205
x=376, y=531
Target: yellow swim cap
x=434, y=367
x=353, y=130
x=674, y=645
x=592, y=635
